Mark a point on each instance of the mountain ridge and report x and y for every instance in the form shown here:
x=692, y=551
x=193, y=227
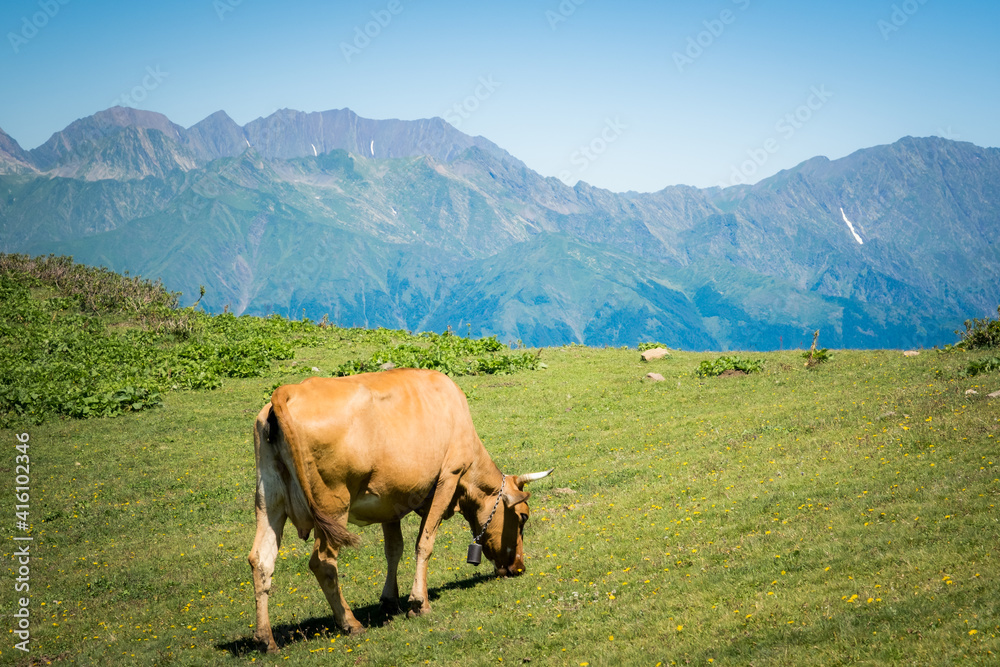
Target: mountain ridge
x=284, y=134
x=423, y=226
x=13, y=158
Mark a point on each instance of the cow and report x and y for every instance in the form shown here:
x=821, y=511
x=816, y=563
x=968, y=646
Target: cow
x=371, y=448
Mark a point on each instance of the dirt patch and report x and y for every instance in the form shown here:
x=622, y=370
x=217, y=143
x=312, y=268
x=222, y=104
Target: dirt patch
x=731, y=373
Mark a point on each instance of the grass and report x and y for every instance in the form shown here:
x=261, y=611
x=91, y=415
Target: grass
x=845, y=514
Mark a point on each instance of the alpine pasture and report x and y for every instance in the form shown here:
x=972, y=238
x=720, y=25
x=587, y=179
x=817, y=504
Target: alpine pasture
x=839, y=513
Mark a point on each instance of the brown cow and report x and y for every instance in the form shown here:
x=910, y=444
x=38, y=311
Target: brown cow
x=370, y=449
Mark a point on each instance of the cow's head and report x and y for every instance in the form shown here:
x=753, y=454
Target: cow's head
x=503, y=541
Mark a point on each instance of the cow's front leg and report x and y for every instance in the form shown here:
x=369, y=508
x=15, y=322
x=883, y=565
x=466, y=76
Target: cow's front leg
x=393, y=534
x=323, y=563
x=440, y=505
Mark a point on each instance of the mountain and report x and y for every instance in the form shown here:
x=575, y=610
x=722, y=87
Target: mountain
x=925, y=213
x=287, y=134
x=13, y=158
x=106, y=144
x=216, y=136
x=413, y=224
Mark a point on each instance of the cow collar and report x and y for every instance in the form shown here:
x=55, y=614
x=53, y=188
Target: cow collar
x=503, y=481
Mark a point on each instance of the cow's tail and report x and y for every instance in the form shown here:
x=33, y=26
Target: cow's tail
x=335, y=533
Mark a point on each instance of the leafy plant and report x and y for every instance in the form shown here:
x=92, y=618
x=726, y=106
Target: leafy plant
x=649, y=346
x=981, y=333
x=729, y=363
x=815, y=357
x=448, y=353
x=70, y=347
x=986, y=365
x=96, y=289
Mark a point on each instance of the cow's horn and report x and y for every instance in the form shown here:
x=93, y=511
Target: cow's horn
x=532, y=476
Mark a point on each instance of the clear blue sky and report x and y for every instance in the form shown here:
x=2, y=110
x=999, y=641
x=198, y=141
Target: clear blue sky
x=659, y=93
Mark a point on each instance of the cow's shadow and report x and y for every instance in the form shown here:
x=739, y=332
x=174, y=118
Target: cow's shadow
x=370, y=616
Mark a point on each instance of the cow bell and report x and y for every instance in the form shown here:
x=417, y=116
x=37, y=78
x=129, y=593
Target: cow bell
x=475, y=554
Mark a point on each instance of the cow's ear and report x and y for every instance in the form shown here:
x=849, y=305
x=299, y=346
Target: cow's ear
x=512, y=497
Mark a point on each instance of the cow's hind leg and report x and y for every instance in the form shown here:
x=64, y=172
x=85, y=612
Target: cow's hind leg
x=393, y=534
x=270, y=524
x=323, y=564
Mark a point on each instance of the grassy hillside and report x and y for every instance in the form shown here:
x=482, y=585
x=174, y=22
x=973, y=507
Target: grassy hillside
x=840, y=514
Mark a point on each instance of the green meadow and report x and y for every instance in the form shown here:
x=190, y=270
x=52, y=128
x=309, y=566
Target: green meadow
x=843, y=513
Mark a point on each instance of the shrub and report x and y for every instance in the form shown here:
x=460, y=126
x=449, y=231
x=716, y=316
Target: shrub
x=981, y=333
x=448, y=353
x=650, y=346
x=816, y=357
x=986, y=365
x=60, y=358
x=729, y=363
x=96, y=289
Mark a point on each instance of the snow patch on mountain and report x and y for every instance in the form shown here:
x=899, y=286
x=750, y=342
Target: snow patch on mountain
x=857, y=237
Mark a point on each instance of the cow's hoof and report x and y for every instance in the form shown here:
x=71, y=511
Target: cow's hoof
x=266, y=644
x=389, y=606
x=267, y=647
x=418, y=608
x=355, y=629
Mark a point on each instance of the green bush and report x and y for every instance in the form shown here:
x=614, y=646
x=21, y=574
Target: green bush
x=650, y=346
x=987, y=365
x=815, y=357
x=95, y=289
x=448, y=353
x=729, y=363
x=981, y=333
x=60, y=358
